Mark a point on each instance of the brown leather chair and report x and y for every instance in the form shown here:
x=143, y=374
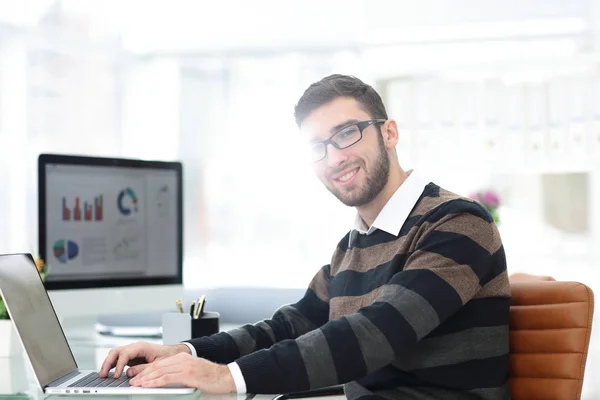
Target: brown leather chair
x=550, y=328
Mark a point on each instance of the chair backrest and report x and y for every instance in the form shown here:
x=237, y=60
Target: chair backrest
x=550, y=328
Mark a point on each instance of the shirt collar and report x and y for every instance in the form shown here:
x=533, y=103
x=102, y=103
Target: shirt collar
x=397, y=209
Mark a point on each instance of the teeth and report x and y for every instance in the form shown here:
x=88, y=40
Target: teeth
x=347, y=177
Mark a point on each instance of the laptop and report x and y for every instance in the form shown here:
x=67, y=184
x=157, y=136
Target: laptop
x=44, y=341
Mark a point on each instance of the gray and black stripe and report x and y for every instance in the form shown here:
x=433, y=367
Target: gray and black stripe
x=421, y=315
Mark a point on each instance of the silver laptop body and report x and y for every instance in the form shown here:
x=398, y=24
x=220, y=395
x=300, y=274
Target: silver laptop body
x=44, y=341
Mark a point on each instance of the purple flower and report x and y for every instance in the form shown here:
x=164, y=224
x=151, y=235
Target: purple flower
x=490, y=199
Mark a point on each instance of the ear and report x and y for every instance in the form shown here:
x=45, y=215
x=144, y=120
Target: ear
x=389, y=130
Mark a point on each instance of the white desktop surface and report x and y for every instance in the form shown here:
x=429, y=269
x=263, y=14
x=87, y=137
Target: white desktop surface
x=89, y=350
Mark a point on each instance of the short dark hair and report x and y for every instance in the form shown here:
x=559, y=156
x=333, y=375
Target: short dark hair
x=334, y=86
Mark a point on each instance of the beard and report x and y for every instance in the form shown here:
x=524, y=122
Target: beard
x=375, y=181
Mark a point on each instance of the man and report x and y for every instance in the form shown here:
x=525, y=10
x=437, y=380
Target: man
x=413, y=305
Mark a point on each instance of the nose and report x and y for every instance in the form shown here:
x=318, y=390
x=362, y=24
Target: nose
x=335, y=156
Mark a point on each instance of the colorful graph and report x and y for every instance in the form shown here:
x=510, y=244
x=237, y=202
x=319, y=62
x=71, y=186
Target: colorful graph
x=98, y=208
x=127, y=201
x=65, y=250
x=127, y=247
x=88, y=213
x=66, y=211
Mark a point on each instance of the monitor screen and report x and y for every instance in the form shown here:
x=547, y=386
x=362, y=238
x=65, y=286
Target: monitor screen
x=110, y=222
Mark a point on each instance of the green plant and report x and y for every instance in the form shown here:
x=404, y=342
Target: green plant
x=42, y=269
x=3, y=311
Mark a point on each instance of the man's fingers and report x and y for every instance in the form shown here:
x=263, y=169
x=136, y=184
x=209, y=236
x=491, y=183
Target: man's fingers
x=139, y=353
x=109, y=362
x=134, y=371
x=156, y=372
x=124, y=358
x=163, y=380
x=166, y=363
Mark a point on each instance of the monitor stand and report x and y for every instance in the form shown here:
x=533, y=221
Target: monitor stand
x=147, y=325
x=122, y=311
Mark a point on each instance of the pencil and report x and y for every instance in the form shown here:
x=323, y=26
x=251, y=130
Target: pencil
x=192, y=310
x=199, y=306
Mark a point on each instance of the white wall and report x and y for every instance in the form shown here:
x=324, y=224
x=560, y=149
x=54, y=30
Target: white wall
x=239, y=25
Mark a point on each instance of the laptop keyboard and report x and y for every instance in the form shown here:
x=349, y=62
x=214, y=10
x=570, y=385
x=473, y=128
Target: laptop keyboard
x=93, y=380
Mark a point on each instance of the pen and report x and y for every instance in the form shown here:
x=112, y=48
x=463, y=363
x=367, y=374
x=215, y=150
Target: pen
x=197, y=311
x=179, y=305
x=199, y=306
x=201, y=313
x=192, y=309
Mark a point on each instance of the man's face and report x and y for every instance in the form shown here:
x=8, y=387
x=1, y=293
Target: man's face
x=357, y=174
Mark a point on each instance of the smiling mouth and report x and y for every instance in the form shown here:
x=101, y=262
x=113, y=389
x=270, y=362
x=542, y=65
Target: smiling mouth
x=347, y=177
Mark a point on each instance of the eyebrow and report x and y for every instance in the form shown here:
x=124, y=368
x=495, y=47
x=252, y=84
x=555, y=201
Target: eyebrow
x=335, y=129
x=343, y=125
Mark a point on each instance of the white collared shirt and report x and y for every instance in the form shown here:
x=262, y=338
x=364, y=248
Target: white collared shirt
x=396, y=210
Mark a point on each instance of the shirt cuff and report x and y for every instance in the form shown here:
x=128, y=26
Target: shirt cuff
x=238, y=377
x=192, y=349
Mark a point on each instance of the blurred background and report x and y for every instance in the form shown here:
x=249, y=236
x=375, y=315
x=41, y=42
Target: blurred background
x=488, y=95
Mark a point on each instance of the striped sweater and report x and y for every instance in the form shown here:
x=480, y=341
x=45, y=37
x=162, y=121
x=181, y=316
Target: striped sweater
x=421, y=315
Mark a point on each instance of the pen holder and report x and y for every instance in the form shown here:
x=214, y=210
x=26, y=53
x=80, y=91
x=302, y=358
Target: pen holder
x=177, y=327
x=207, y=324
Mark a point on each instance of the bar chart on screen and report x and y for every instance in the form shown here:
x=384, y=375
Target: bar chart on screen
x=83, y=210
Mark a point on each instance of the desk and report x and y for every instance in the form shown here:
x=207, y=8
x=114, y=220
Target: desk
x=89, y=350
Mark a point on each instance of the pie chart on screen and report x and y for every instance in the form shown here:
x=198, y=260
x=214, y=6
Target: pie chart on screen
x=65, y=250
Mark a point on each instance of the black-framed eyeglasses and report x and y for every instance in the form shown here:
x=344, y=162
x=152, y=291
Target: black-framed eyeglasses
x=347, y=136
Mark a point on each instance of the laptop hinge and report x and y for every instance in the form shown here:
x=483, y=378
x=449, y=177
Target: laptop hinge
x=64, y=378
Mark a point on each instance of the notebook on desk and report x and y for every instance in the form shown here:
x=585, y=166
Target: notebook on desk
x=44, y=341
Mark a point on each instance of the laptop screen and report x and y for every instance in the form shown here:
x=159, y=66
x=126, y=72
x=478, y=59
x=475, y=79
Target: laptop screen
x=33, y=315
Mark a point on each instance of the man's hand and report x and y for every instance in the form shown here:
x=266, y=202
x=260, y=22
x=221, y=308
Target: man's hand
x=139, y=354
x=183, y=369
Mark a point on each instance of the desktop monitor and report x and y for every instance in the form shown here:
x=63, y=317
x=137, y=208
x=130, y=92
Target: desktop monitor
x=111, y=231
